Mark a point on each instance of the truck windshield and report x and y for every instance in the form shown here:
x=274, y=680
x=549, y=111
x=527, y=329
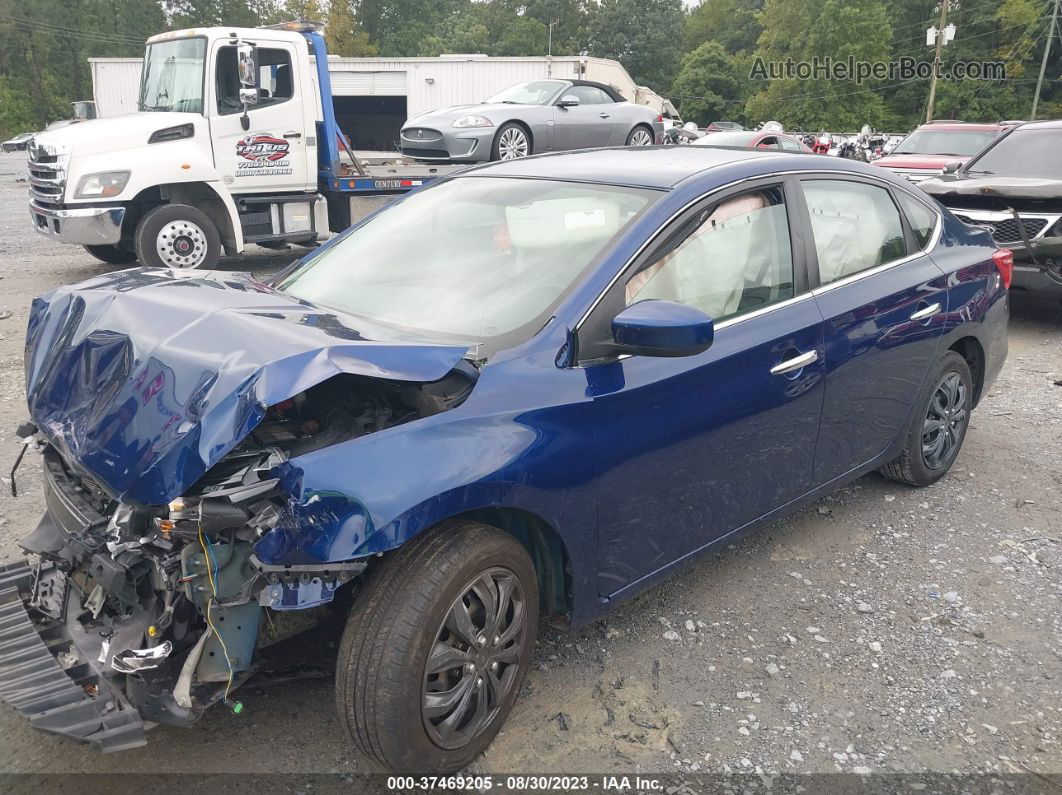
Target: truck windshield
x=475, y=260
x=173, y=76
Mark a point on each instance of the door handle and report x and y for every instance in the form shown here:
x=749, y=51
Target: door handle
x=926, y=312
x=603, y=115
x=796, y=363
x=293, y=134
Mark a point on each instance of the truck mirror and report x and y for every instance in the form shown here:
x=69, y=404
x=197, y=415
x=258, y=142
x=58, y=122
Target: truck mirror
x=247, y=64
x=249, y=96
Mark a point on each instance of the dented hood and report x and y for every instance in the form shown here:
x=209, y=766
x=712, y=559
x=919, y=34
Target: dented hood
x=143, y=379
x=966, y=184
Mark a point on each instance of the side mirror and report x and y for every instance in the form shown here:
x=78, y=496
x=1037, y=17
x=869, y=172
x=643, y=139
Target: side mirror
x=568, y=101
x=952, y=166
x=662, y=328
x=247, y=65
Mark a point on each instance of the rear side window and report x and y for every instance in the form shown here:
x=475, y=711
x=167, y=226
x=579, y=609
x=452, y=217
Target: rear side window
x=730, y=258
x=856, y=227
x=922, y=219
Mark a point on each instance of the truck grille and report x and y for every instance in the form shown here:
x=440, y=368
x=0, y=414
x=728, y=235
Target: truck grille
x=47, y=174
x=1006, y=230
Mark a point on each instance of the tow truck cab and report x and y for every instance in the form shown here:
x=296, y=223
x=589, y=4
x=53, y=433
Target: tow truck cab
x=235, y=142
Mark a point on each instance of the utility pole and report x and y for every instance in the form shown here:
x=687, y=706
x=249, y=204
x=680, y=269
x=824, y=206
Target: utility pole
x=549, y=50
x=936, y=58
x=1043, y=63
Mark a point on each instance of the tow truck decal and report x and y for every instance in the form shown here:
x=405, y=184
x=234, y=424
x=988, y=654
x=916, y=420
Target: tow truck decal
x=263, y=155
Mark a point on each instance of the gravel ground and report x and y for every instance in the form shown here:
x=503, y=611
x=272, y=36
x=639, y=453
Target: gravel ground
x=882, y=629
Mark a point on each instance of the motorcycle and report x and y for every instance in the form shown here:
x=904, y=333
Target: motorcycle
x=684, y=135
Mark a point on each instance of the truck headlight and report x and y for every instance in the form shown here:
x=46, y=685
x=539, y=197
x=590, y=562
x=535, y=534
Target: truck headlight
x=472, y=121
x=102, y=185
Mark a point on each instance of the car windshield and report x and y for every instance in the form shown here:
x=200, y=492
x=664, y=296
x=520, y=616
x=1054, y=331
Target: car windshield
x=537, y=92
x=474, y=260
x=961, y=143
x=173, y=76
x=734, y=138
x=1024, y=153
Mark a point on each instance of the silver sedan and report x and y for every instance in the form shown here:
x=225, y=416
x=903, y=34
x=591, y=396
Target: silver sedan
x=530, y=118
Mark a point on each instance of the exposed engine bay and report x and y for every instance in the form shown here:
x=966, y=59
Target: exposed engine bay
x=157, y=611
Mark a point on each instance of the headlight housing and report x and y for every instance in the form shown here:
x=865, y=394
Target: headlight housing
x=102, y=185
x=472, y=121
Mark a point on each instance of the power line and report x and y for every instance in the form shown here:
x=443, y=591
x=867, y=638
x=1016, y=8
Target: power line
x=88, y=35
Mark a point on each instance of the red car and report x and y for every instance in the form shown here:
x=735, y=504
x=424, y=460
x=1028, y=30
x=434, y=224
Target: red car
x=925, y=152
x=751, y=139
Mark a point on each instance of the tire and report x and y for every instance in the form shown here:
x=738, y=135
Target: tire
x=512, y=142
x=637, y=136
x=915, y=466
x=398, y=619
x=177, y=236
x=112, y=255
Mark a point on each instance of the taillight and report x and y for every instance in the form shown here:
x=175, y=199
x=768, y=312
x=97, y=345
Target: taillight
x=660, y=117
x=1004, y=259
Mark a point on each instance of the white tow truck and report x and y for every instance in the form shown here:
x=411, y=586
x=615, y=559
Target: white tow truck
x=235, y=142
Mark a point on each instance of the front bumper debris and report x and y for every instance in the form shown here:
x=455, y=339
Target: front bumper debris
x=73, y=701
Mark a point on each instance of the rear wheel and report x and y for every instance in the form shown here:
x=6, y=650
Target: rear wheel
x=640, y=136
x=177, y=236
x=938, y=426
x=112, y=255
x=511, y=142
x=437, y=647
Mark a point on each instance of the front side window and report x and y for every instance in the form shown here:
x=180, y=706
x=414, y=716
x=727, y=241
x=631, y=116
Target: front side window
x=275, y=82
x=729, y=258
x=474, y=260
x=588, y=95
x=172, y=80
x=856, y=227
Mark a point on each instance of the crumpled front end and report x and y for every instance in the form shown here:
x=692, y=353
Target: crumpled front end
x=147, y=598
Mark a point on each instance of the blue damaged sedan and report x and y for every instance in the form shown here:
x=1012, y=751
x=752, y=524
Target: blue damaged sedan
x=533, y=389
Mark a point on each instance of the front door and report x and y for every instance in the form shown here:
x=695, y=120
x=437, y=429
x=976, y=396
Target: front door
x=690, y=449
x=272, y=154
x=884, y=302
x=586, y=125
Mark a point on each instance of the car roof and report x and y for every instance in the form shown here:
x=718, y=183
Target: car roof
x=660, y=167
x=1052, y=124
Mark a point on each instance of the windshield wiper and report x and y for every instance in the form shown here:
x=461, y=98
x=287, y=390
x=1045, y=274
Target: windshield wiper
x=150, y=108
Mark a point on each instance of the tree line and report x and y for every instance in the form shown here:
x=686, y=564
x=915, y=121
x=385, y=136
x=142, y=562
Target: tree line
x=701, y=57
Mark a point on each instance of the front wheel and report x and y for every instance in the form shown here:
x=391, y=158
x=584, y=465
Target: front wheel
x=112, y=255
x=938, y=425
x=177, y=236
x=437, y=647
x=511, y=142
x=640, y=136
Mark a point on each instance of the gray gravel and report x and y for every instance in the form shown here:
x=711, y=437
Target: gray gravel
x=882, y=629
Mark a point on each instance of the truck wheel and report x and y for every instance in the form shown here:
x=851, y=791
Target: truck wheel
x=112, y=255
x=938, y=425
x=437, y=647
x=640, y=136
x=511, y=142
x=177, y=236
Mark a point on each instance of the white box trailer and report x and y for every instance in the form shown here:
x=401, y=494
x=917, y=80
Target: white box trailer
x=373, y=97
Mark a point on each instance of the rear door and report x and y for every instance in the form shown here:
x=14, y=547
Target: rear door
x=884, y=302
